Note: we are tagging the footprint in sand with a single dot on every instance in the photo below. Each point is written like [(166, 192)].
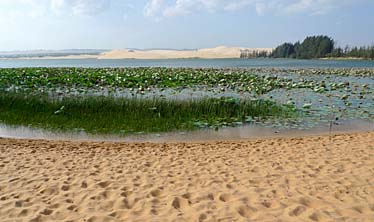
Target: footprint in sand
[(270, 204), (23, 213), (71, 207), (126, 193), (186, 196), (18, 203), (104, 184), (155, 193), (247, 212), (225, 197), (359, 209), (84, 184), (46, 212), (154, 211), (128, 203), (202, 217), (65, 187), (179, 203), (315, 216), (297, 211)]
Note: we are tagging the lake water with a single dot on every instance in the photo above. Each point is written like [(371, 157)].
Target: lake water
[(230, 133), (210, 63), (362, 105)]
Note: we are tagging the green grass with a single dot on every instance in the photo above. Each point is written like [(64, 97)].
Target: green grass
[(125, 115)]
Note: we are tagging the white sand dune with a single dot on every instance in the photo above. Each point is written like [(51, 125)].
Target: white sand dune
[(220, 52), (300, 179), (209, 53)]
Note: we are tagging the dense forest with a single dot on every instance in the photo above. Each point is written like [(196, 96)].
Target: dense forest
[(320, 47)]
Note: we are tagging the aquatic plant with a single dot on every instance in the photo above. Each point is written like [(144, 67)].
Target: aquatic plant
[(143, 79), (350, 90), (128, 115)]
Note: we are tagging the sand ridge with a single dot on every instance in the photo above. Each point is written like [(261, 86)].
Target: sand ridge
[(220, 52), (318, 178)]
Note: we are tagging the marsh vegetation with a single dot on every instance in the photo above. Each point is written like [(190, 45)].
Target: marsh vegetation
[(133, 100), (102, 114)]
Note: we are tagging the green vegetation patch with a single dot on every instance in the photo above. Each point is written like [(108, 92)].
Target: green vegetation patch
[(255, 81), (314, 47), (129, 115), (142, 79)]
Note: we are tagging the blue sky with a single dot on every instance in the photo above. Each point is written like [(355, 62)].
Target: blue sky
[(181, 24)]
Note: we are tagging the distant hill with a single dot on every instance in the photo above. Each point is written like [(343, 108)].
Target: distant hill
[(50, 53), (219, 52)]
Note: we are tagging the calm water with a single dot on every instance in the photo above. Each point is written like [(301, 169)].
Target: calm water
[(211, 63), (351, 117), (229, 133)]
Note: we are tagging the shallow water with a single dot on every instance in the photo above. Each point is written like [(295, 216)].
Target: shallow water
[(207, 63), (357, 116), (327, 105), (229, 133)]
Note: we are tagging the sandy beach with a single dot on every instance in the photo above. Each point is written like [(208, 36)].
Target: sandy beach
[(315, 178)]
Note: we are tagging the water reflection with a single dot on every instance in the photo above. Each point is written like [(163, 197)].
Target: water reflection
[(230, 133)]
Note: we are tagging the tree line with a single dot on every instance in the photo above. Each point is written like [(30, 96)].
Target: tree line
[(248, 54), (365, 52), (314, 47)]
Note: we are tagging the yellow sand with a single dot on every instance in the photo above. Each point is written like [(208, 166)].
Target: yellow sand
[(302, 179)]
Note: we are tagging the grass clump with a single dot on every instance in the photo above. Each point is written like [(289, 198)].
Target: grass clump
[(99, 114)]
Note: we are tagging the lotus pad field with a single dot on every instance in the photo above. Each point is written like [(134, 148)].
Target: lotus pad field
[(130, 100)]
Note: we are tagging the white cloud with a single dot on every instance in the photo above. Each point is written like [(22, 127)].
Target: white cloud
[(171, 8), (309, 7), (153, 7), (39, 8), (181, 7), (236, 5), (23, 8), (57, 6), (89, 7), (79, 7), (261, 8), (184, 7)]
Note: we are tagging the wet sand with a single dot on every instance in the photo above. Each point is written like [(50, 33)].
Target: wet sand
[(315, 178)]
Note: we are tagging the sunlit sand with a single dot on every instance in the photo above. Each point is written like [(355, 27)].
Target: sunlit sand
[(318, 178)]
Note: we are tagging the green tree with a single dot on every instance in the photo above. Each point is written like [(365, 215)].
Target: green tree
[(285, 50), (311, 47)]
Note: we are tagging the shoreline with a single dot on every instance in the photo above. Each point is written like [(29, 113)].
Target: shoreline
[(98, 57), (346, 58), (276, 136), (233, 134)]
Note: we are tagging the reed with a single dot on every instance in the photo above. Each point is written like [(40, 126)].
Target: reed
[(99, 114)]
